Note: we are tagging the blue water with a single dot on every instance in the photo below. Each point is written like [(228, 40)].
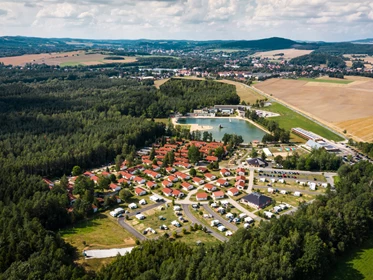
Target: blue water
[(248, 131)]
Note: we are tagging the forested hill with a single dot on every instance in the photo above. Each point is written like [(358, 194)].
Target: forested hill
[(273, 43), (304, 246), (52, 120)]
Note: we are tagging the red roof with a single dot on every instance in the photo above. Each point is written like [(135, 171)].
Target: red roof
[(167, 190), (196, 179), (150, 184), (209, 175), (139, 190), (113, 186), (233, 190), (176, 192), (185, 185), (209, 187), (218, 193), (166, 183), (122, 181), (211, 158), (202, 195), (221, 181)]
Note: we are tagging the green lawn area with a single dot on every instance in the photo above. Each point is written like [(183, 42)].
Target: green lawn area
[(99, 232), (70, 64), (344, 82), (152, 220), (356, 265), (290, 119), (336, 179), (191, 238), (162, 120)]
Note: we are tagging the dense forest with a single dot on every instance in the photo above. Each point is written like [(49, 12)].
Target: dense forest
[(317, 160), (314, 59), (53, 120), (301, 246)]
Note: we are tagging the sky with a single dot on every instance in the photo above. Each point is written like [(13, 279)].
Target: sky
[(316, 20)]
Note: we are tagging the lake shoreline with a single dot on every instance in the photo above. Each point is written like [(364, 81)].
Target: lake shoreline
[(194, 127)]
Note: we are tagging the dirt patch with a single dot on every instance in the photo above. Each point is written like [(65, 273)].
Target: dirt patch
[(67, 58), (288, 53), (158, 83), (335, 104)]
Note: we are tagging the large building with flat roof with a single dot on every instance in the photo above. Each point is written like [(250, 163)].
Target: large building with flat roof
[(308, 135)]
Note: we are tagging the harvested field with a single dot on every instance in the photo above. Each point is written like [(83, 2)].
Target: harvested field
[(243, 91), (339, 106), (63, 59), (362, 128), (288, 53), (158, 83)]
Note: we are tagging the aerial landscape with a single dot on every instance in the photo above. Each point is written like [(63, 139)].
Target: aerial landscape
[(181, 139)]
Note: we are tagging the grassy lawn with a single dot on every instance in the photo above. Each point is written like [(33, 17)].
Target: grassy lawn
[(162, 120), (191, 238), (71, 64), (356, 265), (152, 220), (99, 232), (336, 179), (290, 119), (289, 198), (333, 81)]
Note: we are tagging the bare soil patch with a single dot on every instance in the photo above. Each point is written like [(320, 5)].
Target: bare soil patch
[(339, 106), (158, 83)]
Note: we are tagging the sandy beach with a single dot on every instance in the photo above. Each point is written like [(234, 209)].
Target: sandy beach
[(194, 127)]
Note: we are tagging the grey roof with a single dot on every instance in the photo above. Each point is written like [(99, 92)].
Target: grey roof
[(256, 162), (257, 199)]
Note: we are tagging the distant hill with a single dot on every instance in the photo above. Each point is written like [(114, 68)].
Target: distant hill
[(363, 41), (274, 43)]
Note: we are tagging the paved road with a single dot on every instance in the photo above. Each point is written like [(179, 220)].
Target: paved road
[(251, 180), (194, 220), (146, 208), (107, 253), (243, 209), (131, 230), (220, 218)]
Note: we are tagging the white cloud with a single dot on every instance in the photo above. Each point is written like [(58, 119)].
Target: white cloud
[(189, 19)]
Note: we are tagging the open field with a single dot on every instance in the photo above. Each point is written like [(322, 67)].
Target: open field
[(324, 80), (339, 106), (288, 53), (357, 265), (158, 83), (99, 232), (290, 119), (64, 59), (95, 232), (244, 92)]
